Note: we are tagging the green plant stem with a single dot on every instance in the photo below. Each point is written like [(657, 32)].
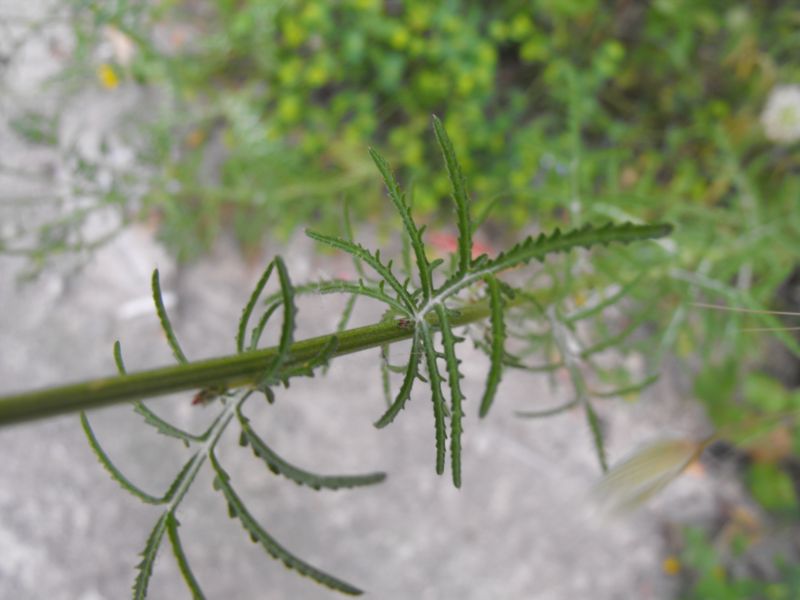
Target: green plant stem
[(225, 372)]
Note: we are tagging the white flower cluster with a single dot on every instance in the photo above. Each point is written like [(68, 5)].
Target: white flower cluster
[(781, 116)]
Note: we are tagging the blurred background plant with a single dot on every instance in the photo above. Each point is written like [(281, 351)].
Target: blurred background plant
[(727, 568), (562, 113)]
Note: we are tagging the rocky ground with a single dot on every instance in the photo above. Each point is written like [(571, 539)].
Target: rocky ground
[(522, 527)]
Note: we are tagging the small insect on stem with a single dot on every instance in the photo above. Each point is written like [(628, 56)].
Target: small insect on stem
[(207, 395), (405, 323)]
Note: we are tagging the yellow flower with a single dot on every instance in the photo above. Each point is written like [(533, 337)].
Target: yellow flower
[(317, 75), (465, 83), (289, 109), (399, 38), (413, 153), (107, 76), (671, 565), (366, 5), (419, 16), (532, 50), (293, 34), (312, 14), (289, 72), (521, 26)]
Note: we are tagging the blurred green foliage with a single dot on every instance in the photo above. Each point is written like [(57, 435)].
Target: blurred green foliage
[(568, 110), (707, 576), (760, 415), (762, 420)]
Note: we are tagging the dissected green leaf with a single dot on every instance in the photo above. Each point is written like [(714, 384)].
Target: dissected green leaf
[(597, 434), (542, 246), (287, 325), (600, 306), (278, 465), (424, 309), (165, 322), (321, 359), (118, 358), (251, 303), (346, 313), (405, 255), (258, 330), (497, 353), (109, 466), (585, 237), (180, 557), (289, 311), (386, 383), (628, 389), (348, 234), (459, 196), (360, 289), (617, 339), (548, 412), (149, 416), (456, 395), (145, 566), (515, 362), (183, 480), (275, 300), (273, 548), (163, 427), (373, 260), (414, 234), (435, 382), (405, 388)]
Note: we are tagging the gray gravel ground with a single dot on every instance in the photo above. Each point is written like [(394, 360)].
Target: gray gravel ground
[(522, 527)]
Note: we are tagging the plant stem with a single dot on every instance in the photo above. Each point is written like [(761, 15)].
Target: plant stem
[(224, 372)]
